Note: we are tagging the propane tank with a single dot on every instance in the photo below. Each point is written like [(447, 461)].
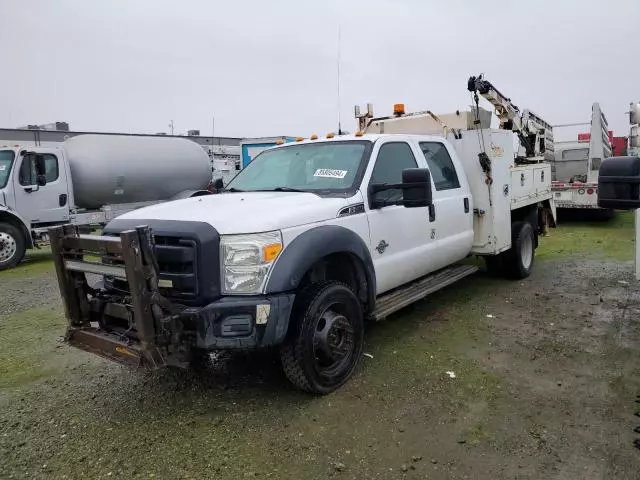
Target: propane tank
[(114, 169)]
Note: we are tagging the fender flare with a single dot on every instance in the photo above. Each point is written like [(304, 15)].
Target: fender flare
[(9, 216), (314, 244)]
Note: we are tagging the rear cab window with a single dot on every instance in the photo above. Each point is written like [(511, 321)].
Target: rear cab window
[(440, 165)]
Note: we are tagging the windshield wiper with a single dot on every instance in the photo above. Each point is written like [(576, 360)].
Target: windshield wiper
[(288, 189), (283, 189), (232, 189)]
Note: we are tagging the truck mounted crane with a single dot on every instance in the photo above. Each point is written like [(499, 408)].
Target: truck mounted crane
[(535, 134)]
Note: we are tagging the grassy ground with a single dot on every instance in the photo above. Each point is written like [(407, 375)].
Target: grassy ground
[(609, 239), (522, 403), (36, 262)]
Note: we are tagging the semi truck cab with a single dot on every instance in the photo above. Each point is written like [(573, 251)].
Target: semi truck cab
[(34, 183), (34, 194)]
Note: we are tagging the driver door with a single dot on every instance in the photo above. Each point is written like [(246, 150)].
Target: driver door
[(402, 241), (41, 204)]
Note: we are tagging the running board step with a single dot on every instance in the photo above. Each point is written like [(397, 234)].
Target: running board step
[(395, 300)]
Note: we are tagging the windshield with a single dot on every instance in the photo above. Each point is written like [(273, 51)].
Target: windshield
[(314, 167), (6, 159)]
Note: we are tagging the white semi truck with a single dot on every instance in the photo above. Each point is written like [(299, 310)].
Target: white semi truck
[(311, 239), (88, 181), (577, 163)]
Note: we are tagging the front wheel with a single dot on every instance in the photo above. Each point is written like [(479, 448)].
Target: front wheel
[(12, 246), (325, 343)]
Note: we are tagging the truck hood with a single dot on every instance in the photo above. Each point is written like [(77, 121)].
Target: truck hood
[(246, 212)]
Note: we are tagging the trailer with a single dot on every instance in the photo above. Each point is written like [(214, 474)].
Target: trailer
[(576, 165)]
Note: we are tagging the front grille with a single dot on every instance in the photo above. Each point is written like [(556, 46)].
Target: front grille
[(177, 266), (177, 263)]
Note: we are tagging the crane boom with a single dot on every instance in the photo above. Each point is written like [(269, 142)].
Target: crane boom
[(535, 135)]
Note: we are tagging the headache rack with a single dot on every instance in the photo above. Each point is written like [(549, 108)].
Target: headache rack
[(122, 326)]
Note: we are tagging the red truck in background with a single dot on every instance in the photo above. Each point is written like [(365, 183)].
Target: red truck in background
[(618, 144)]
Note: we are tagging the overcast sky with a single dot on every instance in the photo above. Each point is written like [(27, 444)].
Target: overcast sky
[(269, 67)]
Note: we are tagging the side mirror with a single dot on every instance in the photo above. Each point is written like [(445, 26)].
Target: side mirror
[(41, 180), (416, 188), (39, 162)]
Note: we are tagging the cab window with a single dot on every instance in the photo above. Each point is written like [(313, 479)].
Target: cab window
[(392, 159), (28, 176), (440, 165)]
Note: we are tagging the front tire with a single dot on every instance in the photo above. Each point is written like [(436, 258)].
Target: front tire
[(12, 246), (326, 337)]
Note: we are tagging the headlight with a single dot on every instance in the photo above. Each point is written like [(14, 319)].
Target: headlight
[(247, 261)]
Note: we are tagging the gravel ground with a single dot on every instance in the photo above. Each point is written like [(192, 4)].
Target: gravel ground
[(20, 294), (547, 373)]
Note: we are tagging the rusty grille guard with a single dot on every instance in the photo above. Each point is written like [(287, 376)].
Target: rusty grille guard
[(131, 258)]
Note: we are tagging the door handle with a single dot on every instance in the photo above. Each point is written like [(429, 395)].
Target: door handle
[(62, 199), (466, 205), (432, 213)]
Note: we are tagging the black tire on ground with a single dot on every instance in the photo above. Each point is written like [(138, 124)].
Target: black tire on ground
[(12, 246), (324, 344), (518, 260)]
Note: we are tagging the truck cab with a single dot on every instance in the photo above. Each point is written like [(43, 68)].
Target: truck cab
[(39, 201), (34, 194)]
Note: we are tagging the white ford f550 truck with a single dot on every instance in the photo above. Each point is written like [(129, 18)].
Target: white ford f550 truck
[(310, 240)]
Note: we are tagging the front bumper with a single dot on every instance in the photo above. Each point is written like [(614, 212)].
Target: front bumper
[(141, 326), (243, 322)]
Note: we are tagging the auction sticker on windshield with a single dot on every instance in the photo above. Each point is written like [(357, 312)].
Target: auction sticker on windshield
[(329, 173)]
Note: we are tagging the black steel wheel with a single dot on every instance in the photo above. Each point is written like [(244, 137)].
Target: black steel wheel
[(325, 340)]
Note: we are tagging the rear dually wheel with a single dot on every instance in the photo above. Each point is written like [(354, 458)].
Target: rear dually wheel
[(519, 259)]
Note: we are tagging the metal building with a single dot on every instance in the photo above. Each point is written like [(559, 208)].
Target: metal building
[(47, 137)]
